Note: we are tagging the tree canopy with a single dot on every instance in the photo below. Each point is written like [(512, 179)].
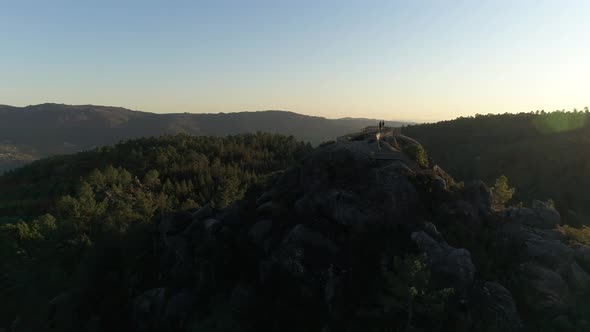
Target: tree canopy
[(544, 154), (66, 216)]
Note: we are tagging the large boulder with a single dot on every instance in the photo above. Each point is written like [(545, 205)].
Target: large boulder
[(582, 255), (479, 194), (494, 309), (148, 309), (339, 206), (543, 291), (578, 278), (304, 248), (550, 253), (157, 310), (450, 266), (540, 216)]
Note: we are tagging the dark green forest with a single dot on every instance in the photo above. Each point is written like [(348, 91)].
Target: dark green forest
[(78, 233), (543, 154), (69, 220)]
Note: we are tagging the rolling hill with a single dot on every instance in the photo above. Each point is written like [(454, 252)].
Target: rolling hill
[(42, 130)]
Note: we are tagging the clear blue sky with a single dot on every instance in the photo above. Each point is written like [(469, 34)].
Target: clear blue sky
[(419, 60)]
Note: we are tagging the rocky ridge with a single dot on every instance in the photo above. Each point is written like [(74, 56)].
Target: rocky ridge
[(358, 236)]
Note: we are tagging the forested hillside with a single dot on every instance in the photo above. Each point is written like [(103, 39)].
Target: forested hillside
[(544, 155), (32, 132), (184, 233), (64, 217)]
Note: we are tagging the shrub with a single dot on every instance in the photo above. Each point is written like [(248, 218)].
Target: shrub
[(418, 154), (581, 235)]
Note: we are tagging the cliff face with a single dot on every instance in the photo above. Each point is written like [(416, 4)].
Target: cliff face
[(359, 237)]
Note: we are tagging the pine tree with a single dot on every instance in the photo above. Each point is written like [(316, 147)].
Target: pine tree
[(502, 192)]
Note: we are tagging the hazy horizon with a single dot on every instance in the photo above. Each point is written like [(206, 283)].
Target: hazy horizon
[(409, 61), (289, 111)]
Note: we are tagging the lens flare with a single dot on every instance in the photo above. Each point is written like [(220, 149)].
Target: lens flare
[(558, 122)]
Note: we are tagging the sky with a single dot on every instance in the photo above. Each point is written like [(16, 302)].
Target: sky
[(398, 60)]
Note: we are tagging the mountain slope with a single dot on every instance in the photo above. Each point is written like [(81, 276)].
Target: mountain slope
[(545, 156), (48, 129), (108, 195), (198, 161)]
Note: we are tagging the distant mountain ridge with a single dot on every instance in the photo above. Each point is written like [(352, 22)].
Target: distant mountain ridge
[(48, 129)]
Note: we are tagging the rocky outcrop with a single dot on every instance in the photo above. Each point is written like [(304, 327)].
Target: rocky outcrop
[(320, 250), (452, 267), (539, 216), (547, 277), (582, 255), (544, 291), (495, 308)]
